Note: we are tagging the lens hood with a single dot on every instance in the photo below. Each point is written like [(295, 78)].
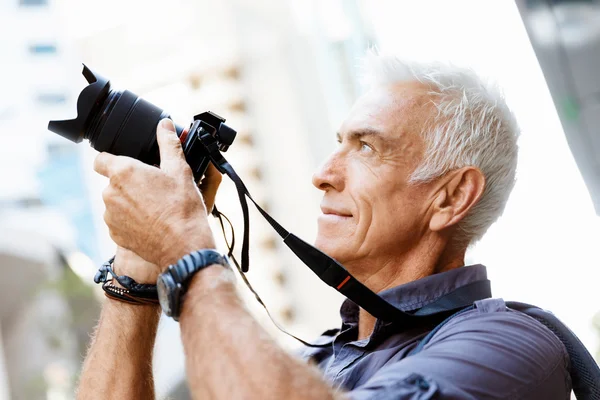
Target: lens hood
[(90, 98), (124, 124)]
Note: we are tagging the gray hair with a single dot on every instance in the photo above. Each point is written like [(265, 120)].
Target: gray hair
[(473, 126)]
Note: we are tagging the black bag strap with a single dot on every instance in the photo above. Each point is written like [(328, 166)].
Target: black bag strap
[(584, 371), (335, 275)]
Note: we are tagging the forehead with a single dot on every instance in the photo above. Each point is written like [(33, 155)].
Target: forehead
[(395, 110)]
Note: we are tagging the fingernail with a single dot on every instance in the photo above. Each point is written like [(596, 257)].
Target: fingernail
[(167, 124)]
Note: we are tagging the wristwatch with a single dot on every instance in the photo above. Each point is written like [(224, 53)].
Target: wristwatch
[(173, 283)]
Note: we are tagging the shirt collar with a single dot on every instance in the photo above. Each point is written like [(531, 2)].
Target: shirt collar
[(416, 294)]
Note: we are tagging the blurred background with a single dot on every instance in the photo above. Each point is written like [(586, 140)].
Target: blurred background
[(284, 73)]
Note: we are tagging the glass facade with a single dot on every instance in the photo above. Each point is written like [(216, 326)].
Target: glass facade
[(33, 3), (42, 49), (51, 98)]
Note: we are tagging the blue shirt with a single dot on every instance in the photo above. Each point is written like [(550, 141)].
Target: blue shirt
[(490, 352)]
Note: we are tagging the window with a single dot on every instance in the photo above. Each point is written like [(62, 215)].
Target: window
[(51, 98), (27, 3), (62, 149), (42, 49)]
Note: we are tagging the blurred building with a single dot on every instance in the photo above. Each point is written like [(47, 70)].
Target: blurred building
[(44, 210), (566, 38)]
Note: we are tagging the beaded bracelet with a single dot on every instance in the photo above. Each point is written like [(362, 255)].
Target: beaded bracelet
[(130, 291)]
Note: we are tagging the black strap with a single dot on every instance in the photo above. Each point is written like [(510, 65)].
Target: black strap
[(335, 275), (230, 245)]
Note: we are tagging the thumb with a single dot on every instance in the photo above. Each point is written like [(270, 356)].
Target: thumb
[(171, 153)]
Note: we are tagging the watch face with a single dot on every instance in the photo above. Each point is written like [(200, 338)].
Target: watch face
[(163, 294)]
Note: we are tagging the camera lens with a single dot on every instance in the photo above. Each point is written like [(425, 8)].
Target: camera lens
[(126, 125), (119, 123)]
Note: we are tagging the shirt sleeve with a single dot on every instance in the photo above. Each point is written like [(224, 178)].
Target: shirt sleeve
[(478, 355)]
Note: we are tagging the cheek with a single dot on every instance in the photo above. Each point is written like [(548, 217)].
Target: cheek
[(394, 216)]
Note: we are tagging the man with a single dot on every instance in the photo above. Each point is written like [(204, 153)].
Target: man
[(425, 163)]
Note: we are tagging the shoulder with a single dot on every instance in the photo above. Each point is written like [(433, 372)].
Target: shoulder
[(492, 323), (509, 341), (491, 318)]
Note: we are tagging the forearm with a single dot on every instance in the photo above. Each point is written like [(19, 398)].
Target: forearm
[(119, 362), (230, 356)]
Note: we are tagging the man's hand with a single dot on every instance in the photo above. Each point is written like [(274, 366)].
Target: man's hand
[(158, 214), (130, 264)]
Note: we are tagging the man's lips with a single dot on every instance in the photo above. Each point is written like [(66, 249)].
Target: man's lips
[(332, 211)]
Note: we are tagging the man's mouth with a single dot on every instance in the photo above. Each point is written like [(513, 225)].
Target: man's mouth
[(335, 212)]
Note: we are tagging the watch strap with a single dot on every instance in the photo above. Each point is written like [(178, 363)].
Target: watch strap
[(193, 262)]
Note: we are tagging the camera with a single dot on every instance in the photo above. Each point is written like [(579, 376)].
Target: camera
[(122, 123)]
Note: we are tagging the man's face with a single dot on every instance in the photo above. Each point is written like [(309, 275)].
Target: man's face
[(369, 210)]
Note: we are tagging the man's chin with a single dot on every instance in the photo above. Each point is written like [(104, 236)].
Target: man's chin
[(331, 248)]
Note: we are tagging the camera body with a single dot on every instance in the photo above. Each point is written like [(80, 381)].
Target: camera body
[(207, 133), (121, 123)]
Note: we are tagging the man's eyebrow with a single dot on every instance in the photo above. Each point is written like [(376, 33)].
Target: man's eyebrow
[(360, 133)]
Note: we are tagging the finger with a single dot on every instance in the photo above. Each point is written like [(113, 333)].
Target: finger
[(107, 194), (103, 164), (171, 153)]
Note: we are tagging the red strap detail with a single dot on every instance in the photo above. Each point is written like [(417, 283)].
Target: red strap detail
[(184, 135), (343, 282)]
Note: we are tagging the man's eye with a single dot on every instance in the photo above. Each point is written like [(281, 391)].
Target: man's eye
[(364, 146)]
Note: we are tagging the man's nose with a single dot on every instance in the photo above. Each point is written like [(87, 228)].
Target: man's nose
[(330, 174)]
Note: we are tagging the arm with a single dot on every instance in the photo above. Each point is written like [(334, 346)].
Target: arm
[(230, 356), (119, 362)]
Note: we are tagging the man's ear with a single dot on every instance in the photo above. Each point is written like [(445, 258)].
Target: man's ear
[(460, 191)]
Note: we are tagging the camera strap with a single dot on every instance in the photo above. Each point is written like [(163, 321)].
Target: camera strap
[(336, 276)]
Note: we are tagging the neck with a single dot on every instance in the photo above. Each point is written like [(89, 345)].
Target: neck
[(410, 266)]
